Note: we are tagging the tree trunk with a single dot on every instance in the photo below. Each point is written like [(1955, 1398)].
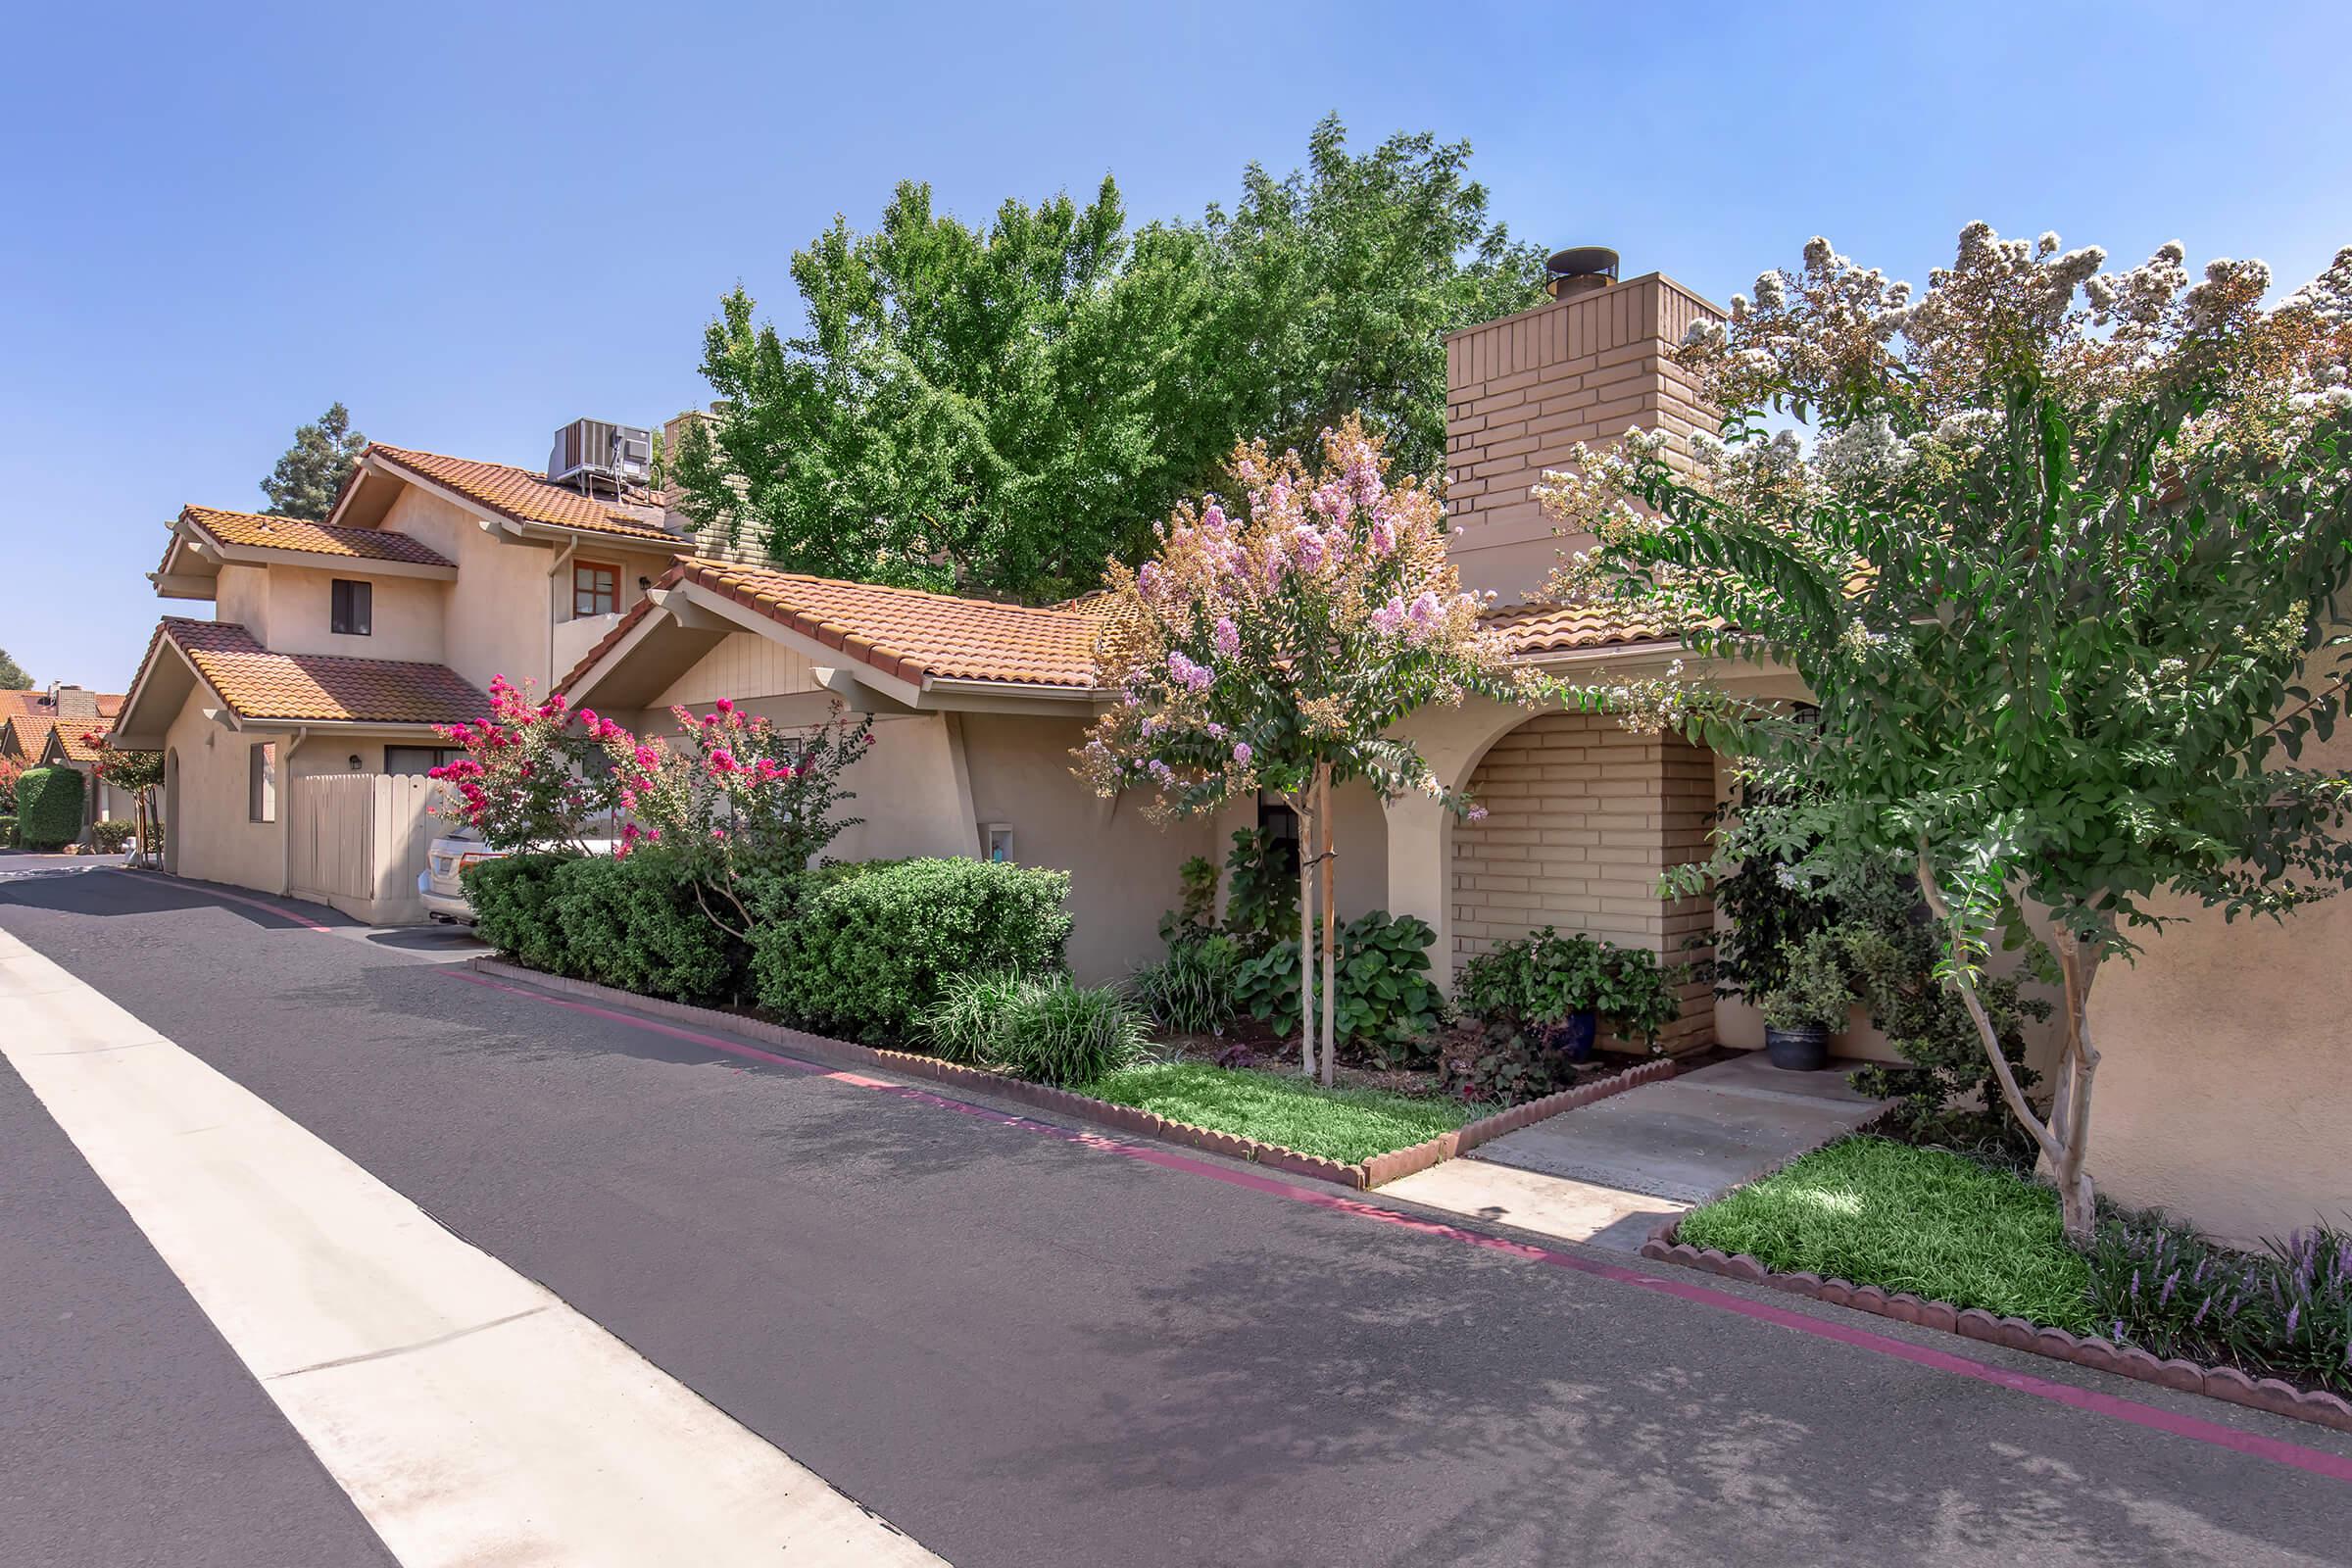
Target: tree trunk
[(1330, 936), (1303, 805), (2064, 1137)]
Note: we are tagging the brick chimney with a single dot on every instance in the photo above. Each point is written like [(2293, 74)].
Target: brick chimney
[(1521, 391), (72, 701)]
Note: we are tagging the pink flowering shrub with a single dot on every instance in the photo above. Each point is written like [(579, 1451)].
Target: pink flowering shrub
[(734, 796), (533, 774), (1278, 648)]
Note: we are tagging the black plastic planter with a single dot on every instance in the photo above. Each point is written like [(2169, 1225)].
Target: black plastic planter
[(1805, 1049), (1573, 1035)]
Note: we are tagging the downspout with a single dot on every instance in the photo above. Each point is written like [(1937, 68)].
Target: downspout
[(285, 813)]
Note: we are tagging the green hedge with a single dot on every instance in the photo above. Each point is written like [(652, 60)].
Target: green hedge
[(866, 955), (8, 832), (48, 806), (510, 899), (634, 923)]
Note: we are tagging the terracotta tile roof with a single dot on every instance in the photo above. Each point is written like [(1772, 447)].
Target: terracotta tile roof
[(74, 735), (110, 704), (26, 735), (900, 631), (28, 702), (1557, 628), (252, 529), (319, 688), (527, 497)]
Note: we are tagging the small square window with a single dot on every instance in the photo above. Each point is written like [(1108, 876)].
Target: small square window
[(999, 836), (351, 606), (595, 588), (261, 782)]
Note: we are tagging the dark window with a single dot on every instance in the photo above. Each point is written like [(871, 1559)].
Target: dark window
[(595, 588), (415, 761), (353, 606), (261, 782)]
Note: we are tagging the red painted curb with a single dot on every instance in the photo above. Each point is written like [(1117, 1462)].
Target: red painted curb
[(2273, 1394)]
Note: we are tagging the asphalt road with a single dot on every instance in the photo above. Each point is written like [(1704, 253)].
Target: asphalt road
[(1022, 1349)]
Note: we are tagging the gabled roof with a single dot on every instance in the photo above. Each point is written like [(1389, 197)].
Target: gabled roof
[(521, 496), (902, 632), (23, 735), (313, 687), (73, 738), (254, 531)]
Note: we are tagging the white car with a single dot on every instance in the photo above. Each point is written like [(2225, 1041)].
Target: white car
[(438, 886)]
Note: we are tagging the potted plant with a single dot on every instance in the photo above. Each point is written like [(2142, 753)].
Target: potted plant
[(1809, 1004)]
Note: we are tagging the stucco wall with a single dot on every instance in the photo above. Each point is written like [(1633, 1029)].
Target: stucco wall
[(213, 841), (405, 616), (2225, 1083), (1122, 866), (241, 595)]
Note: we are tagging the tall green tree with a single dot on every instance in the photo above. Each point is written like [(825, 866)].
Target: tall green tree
[(311, 472), (1000, 411), (12, 674)]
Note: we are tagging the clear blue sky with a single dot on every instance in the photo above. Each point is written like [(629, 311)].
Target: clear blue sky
[(477, 223)]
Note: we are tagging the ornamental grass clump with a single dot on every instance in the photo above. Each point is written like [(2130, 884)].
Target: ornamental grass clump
[(1046, 1029), (2284, 1312)]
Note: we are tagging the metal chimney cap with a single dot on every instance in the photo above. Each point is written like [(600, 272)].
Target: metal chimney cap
[(1583, 261)]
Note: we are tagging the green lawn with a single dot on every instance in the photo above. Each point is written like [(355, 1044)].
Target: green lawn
[(1343, 1124), (1908, 1219)]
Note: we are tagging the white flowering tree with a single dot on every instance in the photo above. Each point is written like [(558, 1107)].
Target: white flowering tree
[(2064, 572), (1277, 649)]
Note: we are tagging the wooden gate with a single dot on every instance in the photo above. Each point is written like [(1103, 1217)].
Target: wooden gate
[(357, 841)]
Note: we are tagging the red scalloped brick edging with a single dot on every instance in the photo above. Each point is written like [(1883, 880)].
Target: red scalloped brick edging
[(1974, 1323), (1134, 1119)]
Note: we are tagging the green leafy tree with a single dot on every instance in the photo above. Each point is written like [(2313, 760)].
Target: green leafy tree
[(2064, 572), (310, 474), (12, 674), (1276, 650), (1000, 410)]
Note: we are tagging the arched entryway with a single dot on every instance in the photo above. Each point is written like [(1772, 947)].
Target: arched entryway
[(1583, 816), (171, 823)]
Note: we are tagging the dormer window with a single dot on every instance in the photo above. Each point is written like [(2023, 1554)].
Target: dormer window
[(595, 588), (351, 607)]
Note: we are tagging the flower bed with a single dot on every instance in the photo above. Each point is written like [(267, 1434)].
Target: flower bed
[(1928, 1237)]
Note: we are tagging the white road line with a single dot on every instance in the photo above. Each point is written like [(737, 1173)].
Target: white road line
[(473, 1415)]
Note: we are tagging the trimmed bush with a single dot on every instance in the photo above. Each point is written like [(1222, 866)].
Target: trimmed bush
[(866, 954), (510, 899), (8, 832), (1049, 1030), (111, 838), (48, 808), (634, 923)]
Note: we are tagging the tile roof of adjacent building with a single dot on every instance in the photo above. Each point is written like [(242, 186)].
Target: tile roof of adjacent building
[(915, 635), (524, 496), (904, 632), (316, 688), (257, 531), (26, 735), (74, 735)]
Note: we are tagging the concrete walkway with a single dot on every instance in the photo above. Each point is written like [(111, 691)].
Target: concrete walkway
[(1608, 1173)]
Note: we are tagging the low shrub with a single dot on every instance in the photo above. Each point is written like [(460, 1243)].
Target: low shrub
[(1541, 980), (1905, 1219), (2286, 1314), (1504, 1063), (634, 923), (509, 896), (48, 808), (8, 832), (1193, 989), (1045, 1028), (110, 836), (866, 955), (1386, 1005)]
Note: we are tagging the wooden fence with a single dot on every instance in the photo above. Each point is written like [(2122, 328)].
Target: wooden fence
[(357, 841)]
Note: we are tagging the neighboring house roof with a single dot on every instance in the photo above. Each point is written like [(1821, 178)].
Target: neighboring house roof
[(314, 688), (73, 738), (253, 530), (30, 702), (23, 735), (522, 496), (902, 632)]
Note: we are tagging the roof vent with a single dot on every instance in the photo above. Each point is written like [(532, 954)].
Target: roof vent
[(589, 451), (1580, 269)]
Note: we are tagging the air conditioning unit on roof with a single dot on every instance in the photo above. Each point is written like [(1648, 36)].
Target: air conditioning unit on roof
[(593, 450)]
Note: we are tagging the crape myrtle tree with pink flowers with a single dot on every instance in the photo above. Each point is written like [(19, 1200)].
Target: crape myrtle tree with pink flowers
[(733, 796), (1275, 647), (2064, 571)]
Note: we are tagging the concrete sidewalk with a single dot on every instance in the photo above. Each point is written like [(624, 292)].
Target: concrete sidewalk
[(1608, 1173)]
